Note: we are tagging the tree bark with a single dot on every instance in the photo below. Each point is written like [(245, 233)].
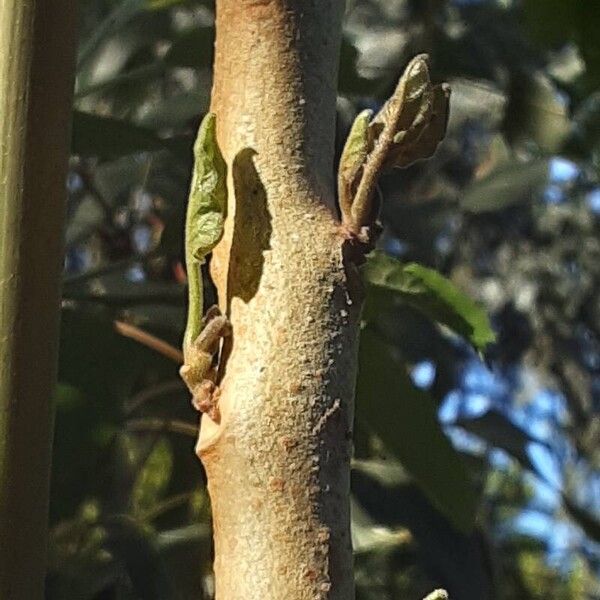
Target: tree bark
[(278, 463), (36, 79)]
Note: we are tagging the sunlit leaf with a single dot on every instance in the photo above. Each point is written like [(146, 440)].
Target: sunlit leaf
[(433, 295)]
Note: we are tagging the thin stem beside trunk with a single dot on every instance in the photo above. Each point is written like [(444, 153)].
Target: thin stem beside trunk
[(37, 46)]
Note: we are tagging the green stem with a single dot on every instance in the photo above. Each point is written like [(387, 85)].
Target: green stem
[(37, 50), (195, 304)]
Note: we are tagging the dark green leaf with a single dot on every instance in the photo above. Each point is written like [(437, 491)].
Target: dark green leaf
[(82, 435), (386, 500), (585, 135), (185, 551), (406, 421), (586, 520), (433, 295), (499, 431), (349, 81), (557, 22), (137, 75), (107, 137), (98, 370), (172, 111), (114, 289), (550, 21), (123, 12), (536, 112), (138, 554), (193, 48), (163, 4), (511, 183)]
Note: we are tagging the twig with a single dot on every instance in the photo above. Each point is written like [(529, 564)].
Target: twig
[(172, 425), (150, 393), (149, 340), (166, 505)]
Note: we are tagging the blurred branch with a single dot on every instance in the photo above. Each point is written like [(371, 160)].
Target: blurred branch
[(171, 425), (146, 72), (149, 340), (105, 269), (153, 392), (165, 506)]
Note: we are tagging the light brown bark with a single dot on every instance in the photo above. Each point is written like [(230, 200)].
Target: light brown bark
[(278, 463), (37, 46)]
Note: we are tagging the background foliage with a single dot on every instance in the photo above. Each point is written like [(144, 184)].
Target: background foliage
[(476, 465)]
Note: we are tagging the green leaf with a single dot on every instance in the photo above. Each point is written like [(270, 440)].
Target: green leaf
[(173, 111), (556, 22), (405, 419), (356, 147), (499, 431), (109, 138), (432, 294), (368, 535), (349, 80), (208, 193), (98, 370), (511, 183), (205, 216), (193, 48), (550, 21), (137, 75), (537, 112), (585, 519), (122, 13), (114, 289), (153, 478), (138, 554), (162, 4), (354, 155), (419, 111)]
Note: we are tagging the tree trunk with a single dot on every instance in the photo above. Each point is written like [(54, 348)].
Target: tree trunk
[(36, 80), (278, 464)]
